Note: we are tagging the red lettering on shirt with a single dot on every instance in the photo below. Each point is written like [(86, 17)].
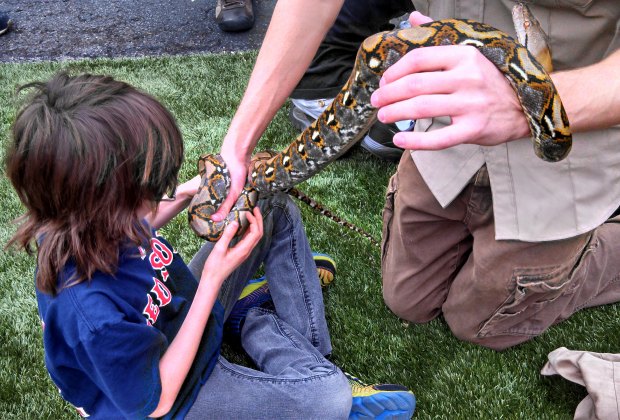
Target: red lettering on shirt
[(151, 311), (161, 292), (160, 256), (164, 274)]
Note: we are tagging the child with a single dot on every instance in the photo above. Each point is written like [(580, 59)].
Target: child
[(128, 330)]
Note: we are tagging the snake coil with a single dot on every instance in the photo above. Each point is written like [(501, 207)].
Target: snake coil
[(350, 115)]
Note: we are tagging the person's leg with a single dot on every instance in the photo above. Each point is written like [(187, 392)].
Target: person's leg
[(333, 62), (234, 284), (424, 245), (292, 379), (289, 267), (292, 275), (511, 291)]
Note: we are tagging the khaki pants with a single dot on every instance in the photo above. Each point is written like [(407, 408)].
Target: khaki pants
[(494, 293)]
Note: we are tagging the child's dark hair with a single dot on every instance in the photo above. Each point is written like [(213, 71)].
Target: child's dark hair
[(87, 151)]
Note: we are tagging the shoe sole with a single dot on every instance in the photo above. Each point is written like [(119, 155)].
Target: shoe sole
[(236, 27), (6, 28), (380, 150), (255, 297), (383, 406)]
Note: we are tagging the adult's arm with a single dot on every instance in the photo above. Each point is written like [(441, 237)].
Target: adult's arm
[(296, 30), (591, 95), (459, 82)]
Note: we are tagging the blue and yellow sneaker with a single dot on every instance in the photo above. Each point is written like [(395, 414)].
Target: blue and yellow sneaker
[(325, 267), (255, 293), (380, 401)]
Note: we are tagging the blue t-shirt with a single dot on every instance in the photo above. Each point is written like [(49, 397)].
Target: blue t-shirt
[(104, 338)]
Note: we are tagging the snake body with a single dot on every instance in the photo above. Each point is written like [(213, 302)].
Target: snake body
[(350, 115)]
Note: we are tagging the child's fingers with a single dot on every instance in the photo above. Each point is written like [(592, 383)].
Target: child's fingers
[(227, 235)]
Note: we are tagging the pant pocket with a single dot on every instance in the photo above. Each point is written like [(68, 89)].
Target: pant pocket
[(539, 297), (388, 213)]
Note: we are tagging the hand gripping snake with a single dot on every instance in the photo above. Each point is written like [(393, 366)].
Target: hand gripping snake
[(350, 115)]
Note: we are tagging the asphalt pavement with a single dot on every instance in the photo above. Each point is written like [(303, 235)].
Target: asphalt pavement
[(75, 29)]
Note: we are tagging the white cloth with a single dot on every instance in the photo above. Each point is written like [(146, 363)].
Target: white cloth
[(598, 372)]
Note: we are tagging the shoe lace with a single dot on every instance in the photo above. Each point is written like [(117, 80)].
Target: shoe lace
[(230, 3)]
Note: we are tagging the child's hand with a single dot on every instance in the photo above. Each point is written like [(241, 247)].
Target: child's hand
[(224, 260), (188, 189)]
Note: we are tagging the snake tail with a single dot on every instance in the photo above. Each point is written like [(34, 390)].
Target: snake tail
[(322, 210)]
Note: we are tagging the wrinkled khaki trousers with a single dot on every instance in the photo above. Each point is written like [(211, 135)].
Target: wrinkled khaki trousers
[(493, 293)]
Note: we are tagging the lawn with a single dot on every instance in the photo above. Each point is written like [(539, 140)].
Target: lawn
[(451, 379)]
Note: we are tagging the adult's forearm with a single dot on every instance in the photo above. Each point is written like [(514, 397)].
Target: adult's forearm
[(295, 32), (591, 95)]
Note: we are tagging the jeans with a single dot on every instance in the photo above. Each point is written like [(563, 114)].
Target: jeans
[(287, 346)]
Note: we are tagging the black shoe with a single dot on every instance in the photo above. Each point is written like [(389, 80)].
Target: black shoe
[(234, 15), (299, 119), (5, 23), (378, 141)]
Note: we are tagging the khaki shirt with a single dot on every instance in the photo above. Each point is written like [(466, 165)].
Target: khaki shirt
[(535, 200)]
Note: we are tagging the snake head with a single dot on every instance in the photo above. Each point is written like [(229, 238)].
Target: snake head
[(213, 189)]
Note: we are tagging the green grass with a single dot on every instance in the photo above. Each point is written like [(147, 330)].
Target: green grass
[(451, 379)]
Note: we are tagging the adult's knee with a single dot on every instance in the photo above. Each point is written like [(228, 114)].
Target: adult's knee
[(470, 332), (408, 305)]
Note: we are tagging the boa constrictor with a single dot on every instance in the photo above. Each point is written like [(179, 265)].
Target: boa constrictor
[(350, 115)]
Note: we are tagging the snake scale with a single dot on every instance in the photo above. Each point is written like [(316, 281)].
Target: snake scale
[(350, 115)]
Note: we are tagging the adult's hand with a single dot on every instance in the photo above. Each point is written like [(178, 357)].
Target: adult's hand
[(454, 81), (294, 34), (237, 164)]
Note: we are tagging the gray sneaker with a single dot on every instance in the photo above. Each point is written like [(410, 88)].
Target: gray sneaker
[(234, 15)]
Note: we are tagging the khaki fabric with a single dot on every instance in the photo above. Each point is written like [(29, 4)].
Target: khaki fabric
[(535, 200), (598, 372), (496, 294)]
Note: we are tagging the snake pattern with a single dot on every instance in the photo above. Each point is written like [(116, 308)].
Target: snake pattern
[(350, 115)]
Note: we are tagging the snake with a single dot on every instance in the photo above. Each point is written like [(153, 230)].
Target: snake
[(351, 114)]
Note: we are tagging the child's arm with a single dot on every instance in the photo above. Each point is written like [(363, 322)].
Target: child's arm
[(176, 362), (168, 208)]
